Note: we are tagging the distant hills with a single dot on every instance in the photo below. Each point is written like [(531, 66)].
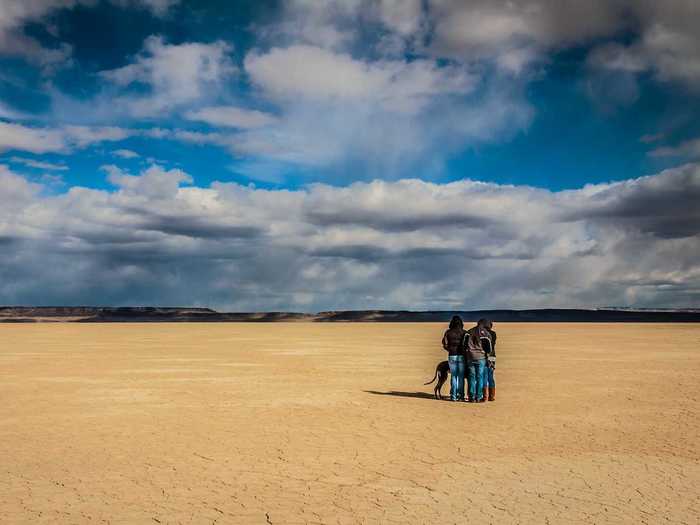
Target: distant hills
[(142, 314)]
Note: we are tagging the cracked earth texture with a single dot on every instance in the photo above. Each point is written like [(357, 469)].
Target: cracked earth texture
[(331, 423)]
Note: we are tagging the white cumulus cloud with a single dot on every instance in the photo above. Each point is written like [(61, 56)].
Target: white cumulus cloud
[(176, 74), (316, 73)]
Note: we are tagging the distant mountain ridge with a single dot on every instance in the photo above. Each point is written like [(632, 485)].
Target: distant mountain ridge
[(140, 314)]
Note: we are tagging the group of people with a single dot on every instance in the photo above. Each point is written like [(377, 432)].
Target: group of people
[(472, 353)]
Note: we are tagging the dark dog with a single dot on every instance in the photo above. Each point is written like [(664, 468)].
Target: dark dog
[(441, 372)]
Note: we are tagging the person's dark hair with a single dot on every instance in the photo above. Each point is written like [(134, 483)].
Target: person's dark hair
[(456, 322)]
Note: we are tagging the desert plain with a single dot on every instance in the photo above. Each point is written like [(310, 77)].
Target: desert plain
[(331, 423)]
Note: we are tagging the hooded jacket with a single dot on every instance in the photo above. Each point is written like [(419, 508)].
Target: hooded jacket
[(478, 348)]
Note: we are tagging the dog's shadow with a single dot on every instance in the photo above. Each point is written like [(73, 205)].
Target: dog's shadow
[(419, 395)]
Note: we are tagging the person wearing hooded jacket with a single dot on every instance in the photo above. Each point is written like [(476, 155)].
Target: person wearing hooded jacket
[(478, 344), (490, 369)]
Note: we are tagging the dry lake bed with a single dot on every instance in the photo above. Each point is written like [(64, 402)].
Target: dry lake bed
[(331, 423)]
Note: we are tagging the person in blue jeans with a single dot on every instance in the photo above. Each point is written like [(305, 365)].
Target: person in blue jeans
[(476, 369), (452, 342), (489, 379), (490, 370), (477, 344)]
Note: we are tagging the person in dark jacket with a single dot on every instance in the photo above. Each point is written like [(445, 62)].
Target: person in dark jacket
[(452, 342), (477, 344), (490, 370)]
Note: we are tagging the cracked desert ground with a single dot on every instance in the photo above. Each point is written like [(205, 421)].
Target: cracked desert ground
[(331, 423)]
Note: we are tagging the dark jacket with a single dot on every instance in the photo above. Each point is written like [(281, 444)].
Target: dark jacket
[(492, 352), (480, 348), (452, 341)]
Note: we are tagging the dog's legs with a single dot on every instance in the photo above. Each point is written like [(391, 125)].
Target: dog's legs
[(442, 377), (441, 373)]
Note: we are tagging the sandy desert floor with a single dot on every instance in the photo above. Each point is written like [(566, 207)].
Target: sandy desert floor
[(331, 423)]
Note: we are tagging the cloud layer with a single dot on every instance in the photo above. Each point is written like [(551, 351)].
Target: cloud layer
[(403, 244)]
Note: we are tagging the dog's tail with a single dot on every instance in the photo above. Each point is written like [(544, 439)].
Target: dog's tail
[(433, 379)]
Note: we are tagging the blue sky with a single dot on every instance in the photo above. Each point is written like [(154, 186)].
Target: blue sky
[(217, 102)]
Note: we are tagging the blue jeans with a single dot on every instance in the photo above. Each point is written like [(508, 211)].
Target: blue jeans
[(476, 379), (456, 363), (489, 379)]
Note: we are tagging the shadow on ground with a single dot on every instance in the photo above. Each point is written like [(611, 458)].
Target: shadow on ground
[(420, 395)]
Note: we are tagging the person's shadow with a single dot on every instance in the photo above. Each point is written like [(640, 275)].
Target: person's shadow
[(419, 395)]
